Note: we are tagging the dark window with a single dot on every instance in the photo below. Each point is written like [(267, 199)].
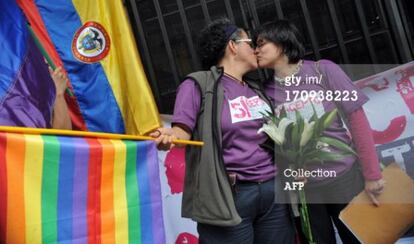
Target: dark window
[(160, 63), (168, 6), (239, 15), (177, 39), (358, 52), (348, 18), (345, 31), (292, 11), (407, 9), (332, 53), (217, 9), (147, 9), (188, 3), (385, 52), (266, 11), (373, 15), (322, 23), (197, 22)]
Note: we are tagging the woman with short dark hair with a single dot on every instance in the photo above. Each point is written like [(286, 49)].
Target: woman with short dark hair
[(230, 185), (286, 36), (279, 47)]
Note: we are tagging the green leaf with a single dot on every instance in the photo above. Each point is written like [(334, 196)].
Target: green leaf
[(310, 146), (316, 131), (300, 123), (295, 137), (327, 121), (338, 144), (323, 156), (324, 122), (267, 115), (315, 115), (319, 125), (288, 142)]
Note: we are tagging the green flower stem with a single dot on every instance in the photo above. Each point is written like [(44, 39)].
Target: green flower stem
[(306, 226)]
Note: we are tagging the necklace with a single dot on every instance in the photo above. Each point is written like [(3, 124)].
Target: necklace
[(234, 78), (281, 80)]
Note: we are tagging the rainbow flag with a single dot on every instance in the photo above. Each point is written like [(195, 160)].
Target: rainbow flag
[(57, 189), (27, 92), (111, 95)]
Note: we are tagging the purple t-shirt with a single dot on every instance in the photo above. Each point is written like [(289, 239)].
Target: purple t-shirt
[(294, 97), (240, 120)]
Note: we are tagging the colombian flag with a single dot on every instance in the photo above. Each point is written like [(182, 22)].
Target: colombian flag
[(61, 189), (111, 95), (27, 92)]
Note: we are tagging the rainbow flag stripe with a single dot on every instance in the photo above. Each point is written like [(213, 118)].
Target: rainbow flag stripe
[(57, 189)]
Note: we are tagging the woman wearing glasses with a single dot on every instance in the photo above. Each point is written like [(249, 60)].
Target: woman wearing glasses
[(230, 185), (279, 47)]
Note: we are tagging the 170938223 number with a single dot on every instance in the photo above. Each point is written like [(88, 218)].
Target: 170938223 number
[(322, 95)]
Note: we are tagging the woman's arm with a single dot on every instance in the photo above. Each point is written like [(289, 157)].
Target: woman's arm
[(186, 109), (365, 147), (61, 118)]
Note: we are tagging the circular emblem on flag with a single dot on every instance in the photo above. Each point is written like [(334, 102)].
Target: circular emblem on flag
[(91, 43)]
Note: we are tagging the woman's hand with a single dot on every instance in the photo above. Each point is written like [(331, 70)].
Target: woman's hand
[(60, 79), (374, 188), (164, 138), (61, 118)]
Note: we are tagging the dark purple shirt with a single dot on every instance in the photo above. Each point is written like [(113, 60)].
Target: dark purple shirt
[(240, 121), (349, 99)]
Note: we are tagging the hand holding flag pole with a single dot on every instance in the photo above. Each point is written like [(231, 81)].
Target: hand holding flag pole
[(45, 54), (38, 131)]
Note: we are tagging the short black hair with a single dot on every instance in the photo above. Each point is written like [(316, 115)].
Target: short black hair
[(285, 35), (213, 39)]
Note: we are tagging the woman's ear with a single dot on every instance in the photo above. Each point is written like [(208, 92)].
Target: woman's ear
[(232, 47)]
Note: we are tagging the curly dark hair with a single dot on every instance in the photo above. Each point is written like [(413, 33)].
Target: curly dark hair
[(212, 42)]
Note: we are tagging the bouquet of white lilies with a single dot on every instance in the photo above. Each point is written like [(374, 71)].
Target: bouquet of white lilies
[(301, 142)]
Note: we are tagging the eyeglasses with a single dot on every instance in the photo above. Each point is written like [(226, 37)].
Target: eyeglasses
[(260, 44), (246, 40)]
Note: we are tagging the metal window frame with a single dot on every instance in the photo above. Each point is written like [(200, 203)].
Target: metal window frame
[(311, 31), (194, 57), (365, 31), (405, 23), (398, 30), (338, 31), (205, 10), (166, 41), (279, 9), (229, 10), (244, 16), (146, 53)]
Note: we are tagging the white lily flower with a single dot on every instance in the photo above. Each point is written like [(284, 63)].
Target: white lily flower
[(307, 133), (276, 133)]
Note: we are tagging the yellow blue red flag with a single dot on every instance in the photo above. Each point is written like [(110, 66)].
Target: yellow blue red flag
[(94, 42)]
